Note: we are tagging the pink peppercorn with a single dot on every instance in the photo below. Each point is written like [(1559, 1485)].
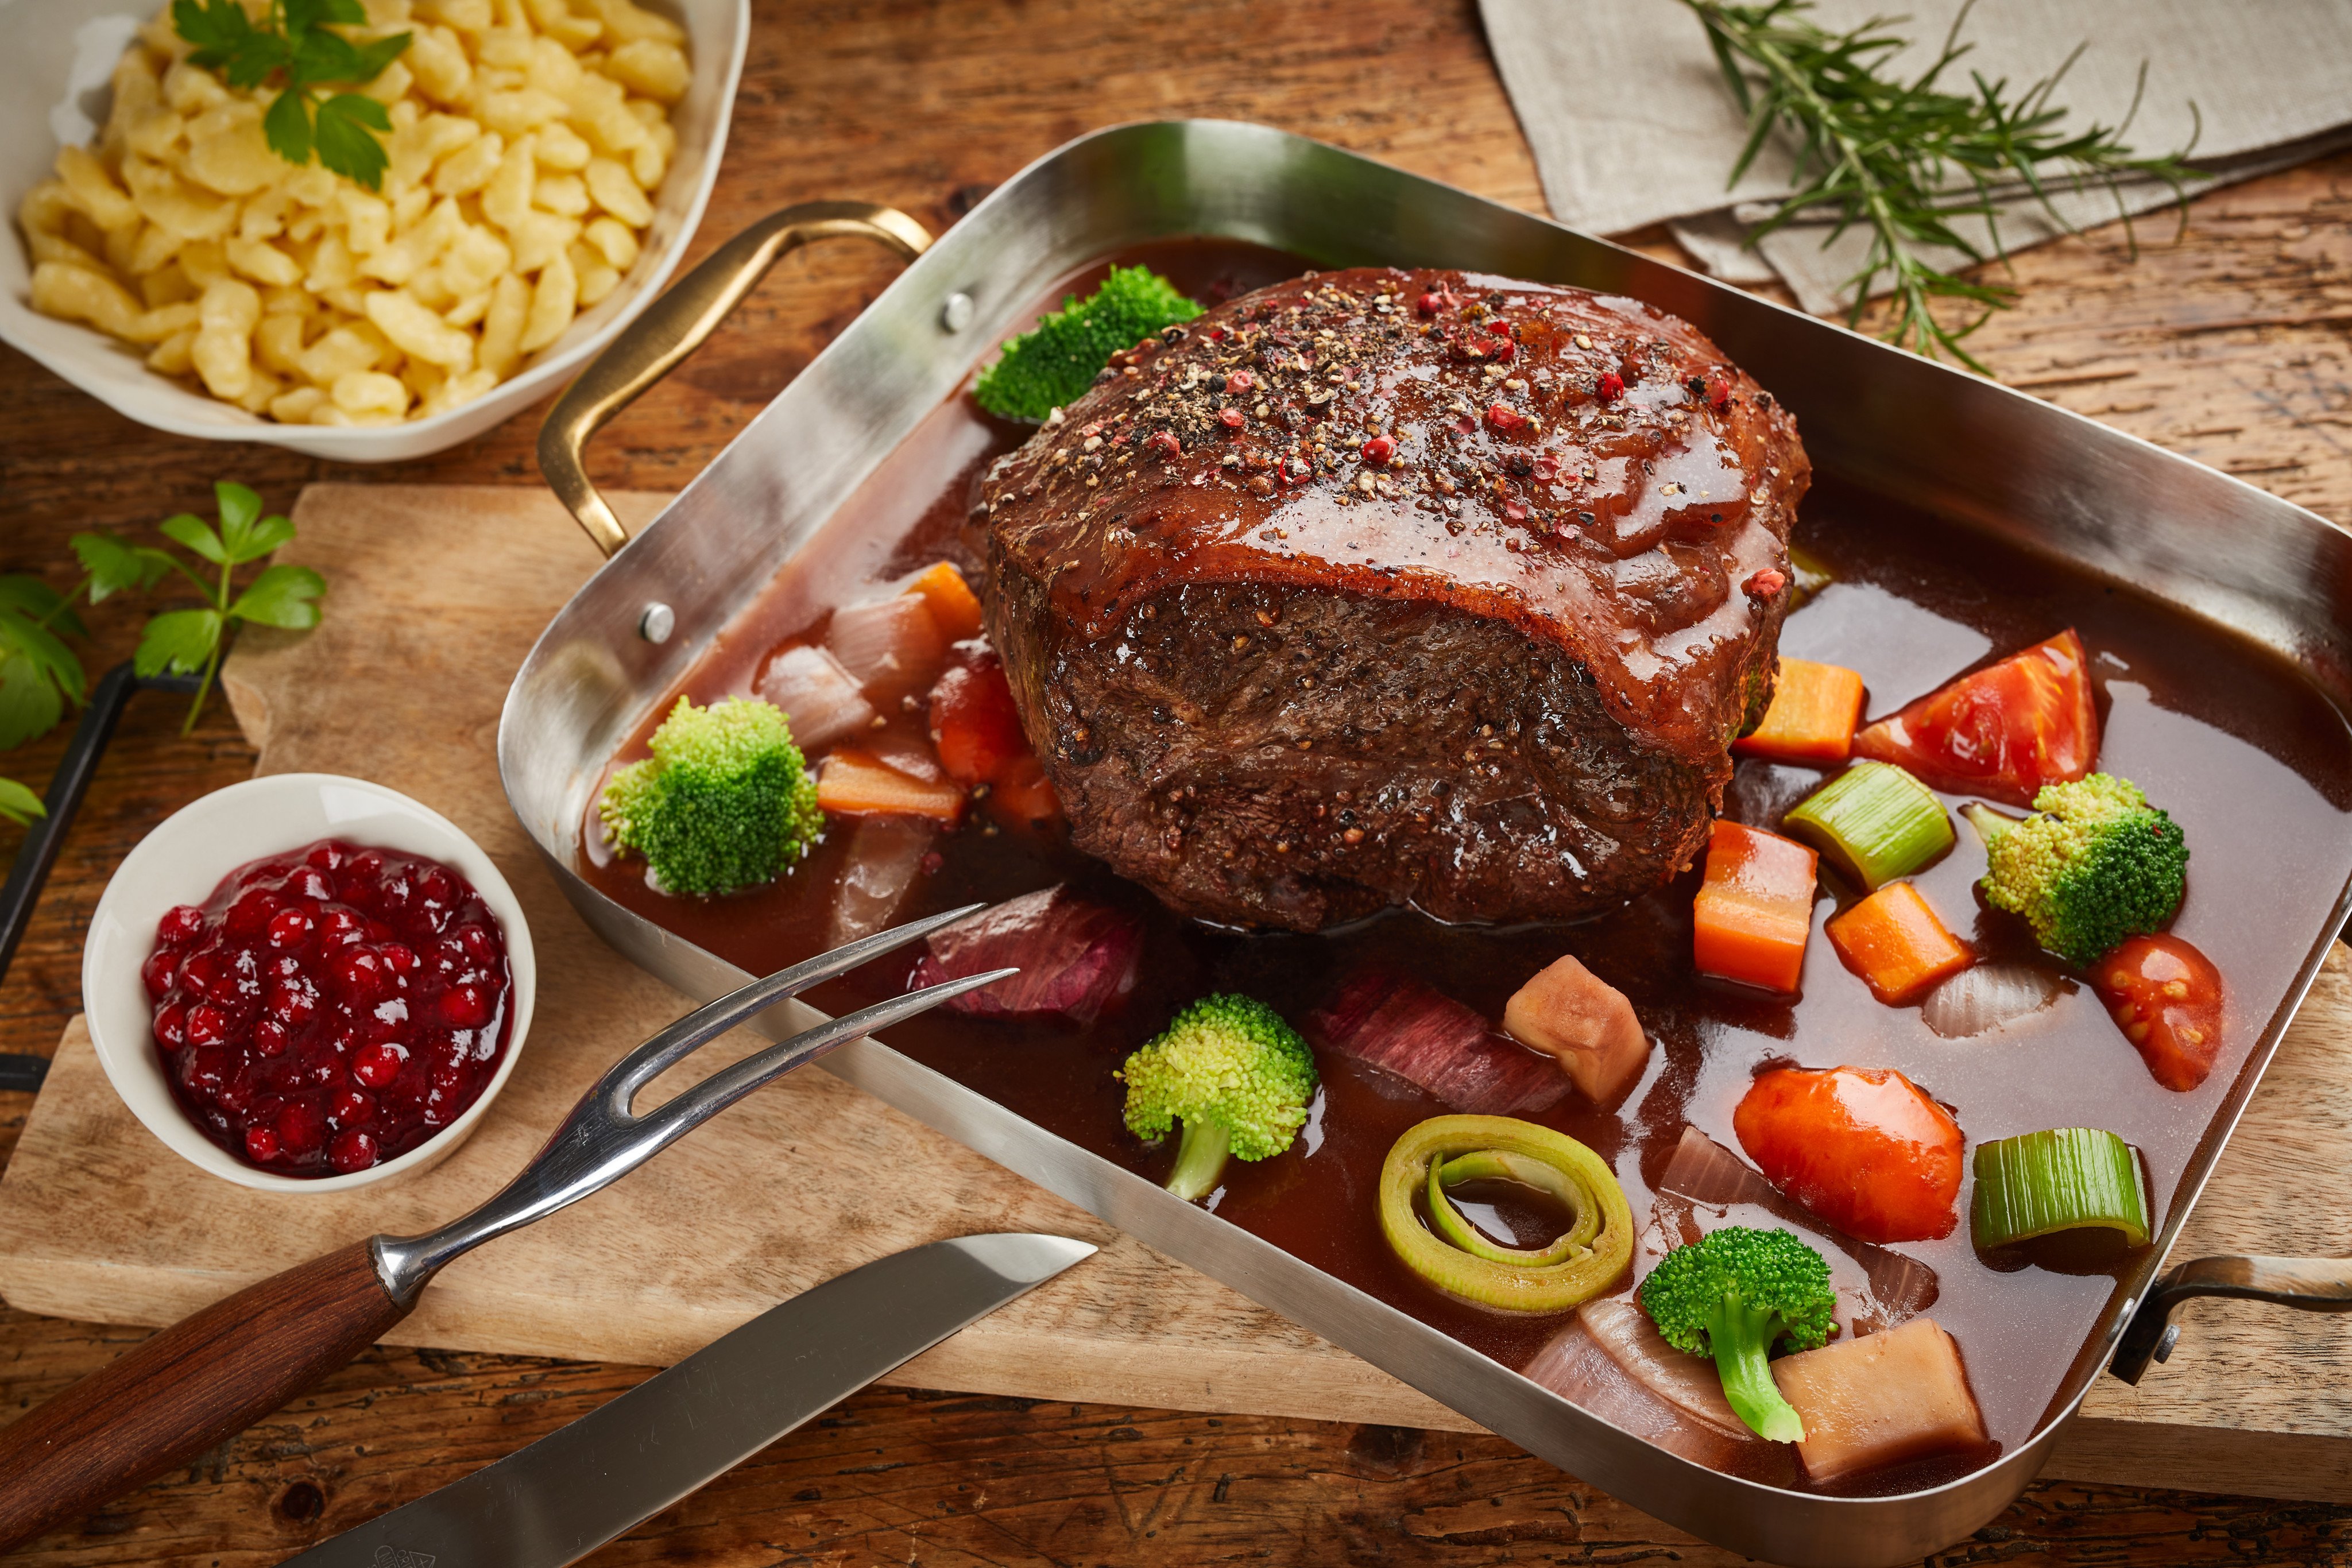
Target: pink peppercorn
[(1379, 450)]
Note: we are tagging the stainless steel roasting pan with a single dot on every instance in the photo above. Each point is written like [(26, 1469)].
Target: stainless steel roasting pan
[(1960, 448)]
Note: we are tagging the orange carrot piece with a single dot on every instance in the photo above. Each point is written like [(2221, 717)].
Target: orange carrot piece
[(856, 784), (1021, 795), (1894, 941), (953, 603), (1755, 911), (1811, 719)]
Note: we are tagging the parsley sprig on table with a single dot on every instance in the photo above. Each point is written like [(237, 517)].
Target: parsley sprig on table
[(40, 674), (187, 641), (1904, 159), (293, 44)]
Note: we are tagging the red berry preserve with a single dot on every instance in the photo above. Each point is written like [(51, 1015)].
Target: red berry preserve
[(332, 1008)]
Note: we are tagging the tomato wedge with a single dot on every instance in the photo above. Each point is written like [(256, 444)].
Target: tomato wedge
[(2166, 997), (1864, 1148), (977, 730), (974, 722), (2002, 732)]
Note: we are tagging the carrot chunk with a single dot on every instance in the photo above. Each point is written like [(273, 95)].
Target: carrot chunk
[(857, 784), (953, 605), (1811, 719), (1894, 941), (1754, 910), (1021, 795), (1878, 1400)]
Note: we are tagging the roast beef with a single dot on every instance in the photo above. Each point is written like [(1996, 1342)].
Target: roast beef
[(1383, 587)]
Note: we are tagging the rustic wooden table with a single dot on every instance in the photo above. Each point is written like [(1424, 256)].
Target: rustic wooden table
[(2230, 345)]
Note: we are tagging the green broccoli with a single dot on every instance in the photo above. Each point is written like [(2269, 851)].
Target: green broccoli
[(1234, 1074), (2097, 863), (1732, 1295), (1052, 366), (725, 801)]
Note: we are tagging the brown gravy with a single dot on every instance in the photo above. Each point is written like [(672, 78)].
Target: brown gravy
[(2250, 759)]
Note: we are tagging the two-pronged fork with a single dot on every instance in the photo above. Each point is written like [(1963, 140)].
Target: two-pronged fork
[(213, 1374)]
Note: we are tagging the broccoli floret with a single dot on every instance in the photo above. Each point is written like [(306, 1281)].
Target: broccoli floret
[(2097, 863), (1234, 1074), (1052, 366), (725, 801), (1734, 1295)]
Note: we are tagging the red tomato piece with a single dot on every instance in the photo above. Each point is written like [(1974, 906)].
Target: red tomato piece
[(2166, 996), (1863, 1147), (974, 722), (2002, 732)]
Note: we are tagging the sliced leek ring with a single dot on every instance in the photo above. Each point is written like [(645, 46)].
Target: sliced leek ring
[(1447, 1250), (2067, 1178), (1874, 821)]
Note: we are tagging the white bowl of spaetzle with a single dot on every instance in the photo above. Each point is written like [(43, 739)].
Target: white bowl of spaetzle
[(541, 166)]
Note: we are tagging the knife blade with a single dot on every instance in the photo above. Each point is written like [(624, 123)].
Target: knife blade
[(564, 1496)]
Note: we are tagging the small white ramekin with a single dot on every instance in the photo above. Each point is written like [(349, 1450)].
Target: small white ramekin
[(185, 859)]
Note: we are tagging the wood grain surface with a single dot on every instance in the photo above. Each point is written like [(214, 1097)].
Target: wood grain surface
[(2230, 345)]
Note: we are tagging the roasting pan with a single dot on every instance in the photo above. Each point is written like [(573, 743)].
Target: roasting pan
[(1884, 421)]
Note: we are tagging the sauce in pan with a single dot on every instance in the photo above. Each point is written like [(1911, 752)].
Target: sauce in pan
[(2252, 762)]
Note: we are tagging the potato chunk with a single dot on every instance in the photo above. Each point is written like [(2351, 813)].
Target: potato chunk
[(1880, 1400), (1570, 1012)]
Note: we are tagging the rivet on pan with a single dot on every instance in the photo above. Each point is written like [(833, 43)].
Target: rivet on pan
[(956, 314), (657, 622), (2171, 1337)]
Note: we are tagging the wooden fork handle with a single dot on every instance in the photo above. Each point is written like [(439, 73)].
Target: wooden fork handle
[(204, 1379)]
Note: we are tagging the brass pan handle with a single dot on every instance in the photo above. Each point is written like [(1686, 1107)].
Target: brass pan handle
[(2308, 1284), (674, 325)]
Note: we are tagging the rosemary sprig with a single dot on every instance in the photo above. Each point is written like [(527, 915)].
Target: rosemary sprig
[(1904, 159)]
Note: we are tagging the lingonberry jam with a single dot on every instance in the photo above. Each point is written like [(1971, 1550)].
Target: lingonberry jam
[(331, 1008)]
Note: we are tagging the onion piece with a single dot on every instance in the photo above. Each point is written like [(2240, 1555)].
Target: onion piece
[(1441, 1047), (819, 699), (1689, 1383), (886, 855), (1077, 958), (892, 648), (1986, 997), (1574, 1365)]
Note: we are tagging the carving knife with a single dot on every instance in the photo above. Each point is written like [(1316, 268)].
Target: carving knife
[(565, 1495)]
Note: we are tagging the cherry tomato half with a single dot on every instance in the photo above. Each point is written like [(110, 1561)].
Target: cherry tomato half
[(2166, 997), (1863, 1147), (2002, 732)]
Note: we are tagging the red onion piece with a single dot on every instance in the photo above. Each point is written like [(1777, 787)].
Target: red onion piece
[(1077, 958), (819, 699), (1987, 997), (886, 855), (1435, 1043), (892, 648)]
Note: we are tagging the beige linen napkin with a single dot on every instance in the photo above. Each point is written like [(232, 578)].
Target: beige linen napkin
[(1631, 124)]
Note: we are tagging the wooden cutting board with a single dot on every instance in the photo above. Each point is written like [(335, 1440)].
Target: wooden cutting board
[(437, 594)]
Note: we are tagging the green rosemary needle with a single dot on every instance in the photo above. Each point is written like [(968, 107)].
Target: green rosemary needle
[(1904, 159)]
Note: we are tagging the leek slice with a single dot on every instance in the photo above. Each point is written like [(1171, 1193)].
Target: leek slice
[(1812, 572), (1445, 1152), (2066, 1178), (1874, 823)]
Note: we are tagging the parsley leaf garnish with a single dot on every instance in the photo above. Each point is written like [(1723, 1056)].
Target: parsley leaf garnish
[(293, 44)]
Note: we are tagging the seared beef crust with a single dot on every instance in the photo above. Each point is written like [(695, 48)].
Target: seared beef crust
[(1489, 664)]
